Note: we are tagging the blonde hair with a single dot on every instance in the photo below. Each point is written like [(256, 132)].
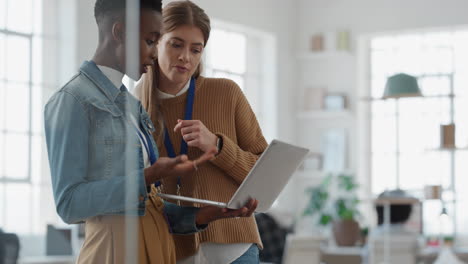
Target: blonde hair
[(174, 15)]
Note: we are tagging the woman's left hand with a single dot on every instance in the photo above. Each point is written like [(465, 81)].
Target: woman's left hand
[(195, 133), (212, 213)]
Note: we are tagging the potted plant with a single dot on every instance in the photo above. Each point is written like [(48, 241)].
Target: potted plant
[(335, 202)]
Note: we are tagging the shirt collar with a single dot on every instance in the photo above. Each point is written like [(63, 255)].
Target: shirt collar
[(163, 95), (89, 69), (113, 75)]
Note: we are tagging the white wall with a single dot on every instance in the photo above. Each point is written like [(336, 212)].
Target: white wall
[(378, 15)]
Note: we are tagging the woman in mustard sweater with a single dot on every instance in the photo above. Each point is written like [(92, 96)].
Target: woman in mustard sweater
[(198, 113)]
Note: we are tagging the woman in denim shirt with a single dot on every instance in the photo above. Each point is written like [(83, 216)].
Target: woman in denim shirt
[(99, 140)]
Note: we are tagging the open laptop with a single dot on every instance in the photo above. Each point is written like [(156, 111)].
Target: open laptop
[(265, 181)]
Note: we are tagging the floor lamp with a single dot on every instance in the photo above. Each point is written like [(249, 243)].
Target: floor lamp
[(398, 86)]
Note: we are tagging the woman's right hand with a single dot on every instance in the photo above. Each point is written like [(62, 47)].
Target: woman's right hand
[(178, 166)]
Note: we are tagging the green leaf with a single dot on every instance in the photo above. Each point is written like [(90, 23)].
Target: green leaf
[(325, 219)]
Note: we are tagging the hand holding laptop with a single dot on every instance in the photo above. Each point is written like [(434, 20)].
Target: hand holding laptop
[(265, 181), (212, 213)]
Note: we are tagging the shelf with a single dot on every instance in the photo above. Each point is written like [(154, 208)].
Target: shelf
[(323, 114), (320, 55), (400, 200), (449, 149)]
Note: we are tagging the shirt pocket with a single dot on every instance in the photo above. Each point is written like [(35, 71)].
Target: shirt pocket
[(108, 135)]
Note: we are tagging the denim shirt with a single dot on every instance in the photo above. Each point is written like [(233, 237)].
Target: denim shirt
[(93, 150)]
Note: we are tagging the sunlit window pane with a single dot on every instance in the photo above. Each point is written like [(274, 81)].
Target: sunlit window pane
[(419, 169), (18, 59), (417, 136), (20, 15), (420, 121), (438, 60), (378, 86), (37, 110), (438, 39), (383, 43), (228, 51), (461, 122), (18, 209), (431, 214), (383, 172), (16, 156), (21, 57), (461, 53), (383, 134), (2, 56), (408, 41), (461, 182), (17, 107), (37, 65), (2, 157), (382, 64), (461, 82), (37, 16), (2, 106), (3, 9), (237, 53), (36, 161), (2, 204), (437, 85), (409, 60), (383, 108), (215, 47)]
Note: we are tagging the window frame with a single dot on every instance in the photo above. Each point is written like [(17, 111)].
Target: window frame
[(364, 113), (4, 132)]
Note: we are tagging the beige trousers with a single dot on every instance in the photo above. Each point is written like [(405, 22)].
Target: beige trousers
[(105, 238)]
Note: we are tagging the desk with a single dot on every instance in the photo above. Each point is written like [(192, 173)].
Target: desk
[(48, 260), (429, 255), (348, 255), (311, 250), (302, 249)]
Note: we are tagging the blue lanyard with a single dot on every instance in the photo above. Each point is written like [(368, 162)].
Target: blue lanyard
[(148, 146), (188, 116)]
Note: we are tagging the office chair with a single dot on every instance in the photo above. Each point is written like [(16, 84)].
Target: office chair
[(9, 248)]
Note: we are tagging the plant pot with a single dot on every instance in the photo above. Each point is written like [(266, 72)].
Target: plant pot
[(346, 232)]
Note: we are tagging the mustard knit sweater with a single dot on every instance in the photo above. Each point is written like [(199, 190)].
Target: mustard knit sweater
[(222, 107)]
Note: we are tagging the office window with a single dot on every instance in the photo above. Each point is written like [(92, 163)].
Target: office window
[(21, 136), (440, 62), (245, 56), (226, 56)]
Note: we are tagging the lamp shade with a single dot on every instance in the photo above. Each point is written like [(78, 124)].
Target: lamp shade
[(401, 85)]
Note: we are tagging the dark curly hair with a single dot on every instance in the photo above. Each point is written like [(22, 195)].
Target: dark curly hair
[(104, 8)]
